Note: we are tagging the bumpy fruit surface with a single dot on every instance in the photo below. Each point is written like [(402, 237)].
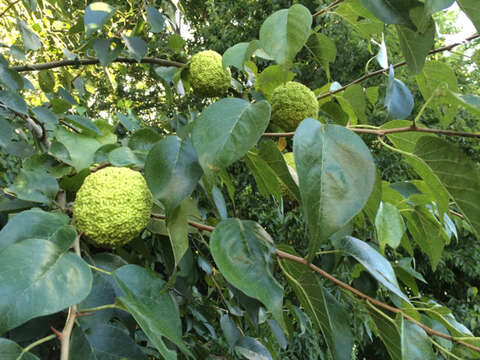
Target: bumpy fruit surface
[(207, 76), (291, 103), (112, 206)]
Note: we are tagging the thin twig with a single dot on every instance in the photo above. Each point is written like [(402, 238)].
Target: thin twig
[(328, 8), (287, 256), (101, 166), (383, 132), (36, 343), (9, 7), (381, 71), (60, 63), (71, 317)]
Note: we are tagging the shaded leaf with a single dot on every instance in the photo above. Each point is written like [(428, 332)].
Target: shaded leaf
[(252, 349), (13, 101), (137, 46), (36, 186), (31, 41), (155, 19), (12, 351), (104, 52), (398, 99), (392, 11), (96, 15), (389, 225)]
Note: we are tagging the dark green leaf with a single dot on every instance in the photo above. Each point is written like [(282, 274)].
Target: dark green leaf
[(104, 52), (12, 351), (155, 19), (34, 223), (10, 78), (324, 49), (470, 7), (50, 281), (265, 177), (392, 11), (96, 15), (243, 252), (13, 101), (124, 156), (389, 225), (46, 116), (227, 129), (46, 80), (82, 122), (80, 348), (432, 6), (143, 139), (252, 349), (177, 228), (36, 186), (230, 330), (285, 32), (128, 122), (172, 170), (155, 312), (374, 262), (333, 164), (112, 343), (327, 314)]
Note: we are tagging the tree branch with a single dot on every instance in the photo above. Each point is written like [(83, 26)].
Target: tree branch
[(327, 8), (287, 256), (9, 7), (384, 132), (381, 71), (77, 62)]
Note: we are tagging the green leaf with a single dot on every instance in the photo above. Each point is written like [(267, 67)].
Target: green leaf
[(274, 158), (128, 122), (428, 233), (12, 351), (243, 252), (46, 80), (324, 49), (392, 11), (124, 156), (96, 15), (227, 129), (172, 170), (177, 228), (459, 175), (398, 99), (238, 54), (434, 75), (468, 101), (112, 343), (143, 139), (327, 314), (10, 78), (31, 41), (252, 349), (155, 19), (285, 32), (333, 164), (470, 7), (80, 348), (415, 45), (389, 225), (155, 311), (83, 123), (46, 117), (265, 177), (51, 280), (272, 77), (82, 147), (230, 330), (373, 261), (355, 97), (34, 223), (432, 6), (137, 46), (104, 51), (13, 101), (36, 186)]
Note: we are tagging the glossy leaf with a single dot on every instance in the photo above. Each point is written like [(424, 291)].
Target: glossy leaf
[(36, 186), (227, 129), (333, 164), (389, 225), (96, 15), (391, 11), (243, 252), (172, 171), (34, 223), (137, 46), (432, 6), (155, 312), (10, 78), (238, 54), (285, 32), (374, 262), (13, 101), (398, 99), (327, 314), (50, 281)]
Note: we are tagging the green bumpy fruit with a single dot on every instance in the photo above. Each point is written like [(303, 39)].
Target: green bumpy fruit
[(112, 206), (291, 103), (207, 76)]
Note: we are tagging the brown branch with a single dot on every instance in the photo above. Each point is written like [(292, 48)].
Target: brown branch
[(8, 8), (326, 9), (284, 255), (60, 63), (384, 132), (381, 71), (101, 166), (429, 331)]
